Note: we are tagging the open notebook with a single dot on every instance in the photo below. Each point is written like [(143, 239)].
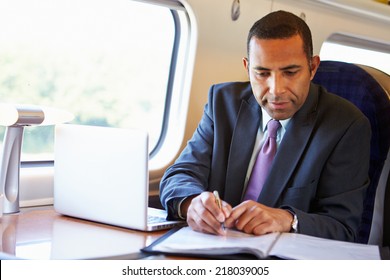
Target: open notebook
[(236, 245), (101, 174)]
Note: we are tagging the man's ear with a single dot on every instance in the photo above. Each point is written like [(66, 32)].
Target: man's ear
[(315, 63), (245, 61)]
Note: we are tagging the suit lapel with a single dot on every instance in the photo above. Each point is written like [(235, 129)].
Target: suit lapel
[(290, 150), (243, 139)]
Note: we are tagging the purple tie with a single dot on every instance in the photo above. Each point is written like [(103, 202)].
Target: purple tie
[(263, 163)]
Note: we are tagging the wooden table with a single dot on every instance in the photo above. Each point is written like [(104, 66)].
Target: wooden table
[(41, 233)]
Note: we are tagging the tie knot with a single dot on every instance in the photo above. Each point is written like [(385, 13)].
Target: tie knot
[(273, 127)]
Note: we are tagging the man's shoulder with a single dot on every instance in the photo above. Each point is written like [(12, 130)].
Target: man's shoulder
[(236, 90), (338, 104), (232, 85)]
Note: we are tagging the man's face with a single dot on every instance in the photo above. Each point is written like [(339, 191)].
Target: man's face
[(280, 74)]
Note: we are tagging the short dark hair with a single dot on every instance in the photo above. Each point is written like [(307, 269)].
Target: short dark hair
[(282, 25)]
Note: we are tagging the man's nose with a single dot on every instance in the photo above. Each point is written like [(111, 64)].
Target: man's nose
[(276, 85)]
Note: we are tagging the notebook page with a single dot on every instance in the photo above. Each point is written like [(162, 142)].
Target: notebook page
[(305, 247), (186, 240)]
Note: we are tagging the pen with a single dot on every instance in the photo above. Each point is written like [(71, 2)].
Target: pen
[(219, 203)]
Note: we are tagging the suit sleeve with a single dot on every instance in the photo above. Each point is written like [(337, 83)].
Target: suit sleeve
[(190, 173)]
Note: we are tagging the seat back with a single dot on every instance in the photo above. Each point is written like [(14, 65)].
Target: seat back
[(369, 90), (386, 215)]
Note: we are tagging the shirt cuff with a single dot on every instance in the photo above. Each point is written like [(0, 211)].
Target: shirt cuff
[(173, 210)]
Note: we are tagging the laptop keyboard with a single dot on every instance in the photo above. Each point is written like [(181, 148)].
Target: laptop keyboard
[(155, 219)]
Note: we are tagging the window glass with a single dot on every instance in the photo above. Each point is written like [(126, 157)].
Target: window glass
[(106, 61), (351, 49)]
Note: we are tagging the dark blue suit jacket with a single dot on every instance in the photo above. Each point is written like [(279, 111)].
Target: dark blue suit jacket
[(320, 171)]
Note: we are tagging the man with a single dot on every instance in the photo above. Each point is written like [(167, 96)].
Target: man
[(319, 175)]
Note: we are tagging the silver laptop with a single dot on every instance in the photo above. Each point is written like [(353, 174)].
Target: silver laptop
[(101, 174)]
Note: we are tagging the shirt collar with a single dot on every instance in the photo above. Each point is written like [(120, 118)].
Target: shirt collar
[(266, 118)]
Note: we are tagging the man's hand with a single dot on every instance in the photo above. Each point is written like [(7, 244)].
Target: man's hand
[(255, 218), (204, 215)]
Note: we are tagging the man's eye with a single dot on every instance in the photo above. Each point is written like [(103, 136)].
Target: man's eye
[(290, 73), (262, 74)]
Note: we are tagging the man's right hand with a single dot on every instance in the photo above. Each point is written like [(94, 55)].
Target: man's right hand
[(203, 214)]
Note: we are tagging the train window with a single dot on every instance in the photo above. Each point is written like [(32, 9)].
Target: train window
[(343, 47), (111, 63)]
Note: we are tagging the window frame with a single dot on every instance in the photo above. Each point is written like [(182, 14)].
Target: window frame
[(345, 40), (37, 177)]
